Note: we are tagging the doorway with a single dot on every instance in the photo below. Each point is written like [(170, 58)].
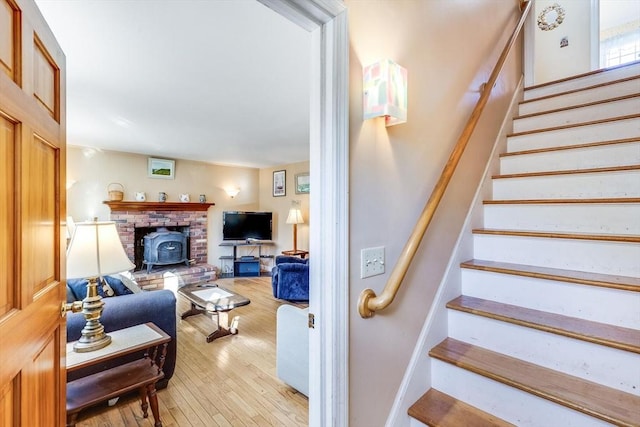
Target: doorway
[(326, 20)]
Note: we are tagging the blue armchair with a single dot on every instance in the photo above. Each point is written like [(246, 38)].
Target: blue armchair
[(290, 278)]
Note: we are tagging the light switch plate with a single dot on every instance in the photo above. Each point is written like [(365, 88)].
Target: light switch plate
[(371, 262)]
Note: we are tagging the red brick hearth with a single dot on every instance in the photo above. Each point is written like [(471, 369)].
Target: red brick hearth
[(130, 216)]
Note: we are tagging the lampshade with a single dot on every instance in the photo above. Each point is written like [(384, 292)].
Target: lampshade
[(385, 92), (95, 250), (295, 216), (232, 192)]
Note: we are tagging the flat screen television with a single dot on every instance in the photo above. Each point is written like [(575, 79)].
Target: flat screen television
[(246, 225)]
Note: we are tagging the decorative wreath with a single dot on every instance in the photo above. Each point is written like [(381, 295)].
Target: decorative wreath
[(542, 18)]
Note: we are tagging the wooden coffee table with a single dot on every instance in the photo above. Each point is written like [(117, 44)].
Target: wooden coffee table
[(216, 301)]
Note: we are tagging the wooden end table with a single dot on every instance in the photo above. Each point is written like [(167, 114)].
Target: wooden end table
[(301, 254), (141, 374), (216, 301)]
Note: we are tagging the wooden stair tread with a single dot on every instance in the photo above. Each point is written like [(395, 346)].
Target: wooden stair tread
[(570, 147), (575, 125), (437, 409), (576, 106), (610, 200), (585, 74), (568, 172), (546, 234), (586, 330), (581, 277), (593, 399), (576, 90)]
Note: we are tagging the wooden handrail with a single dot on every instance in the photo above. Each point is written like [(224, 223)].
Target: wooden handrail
[(368, 302)]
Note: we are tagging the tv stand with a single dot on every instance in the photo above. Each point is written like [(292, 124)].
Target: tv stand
[(244, 265)]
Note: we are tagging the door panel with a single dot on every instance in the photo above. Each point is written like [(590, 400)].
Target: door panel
[(40, 248), (9, 38), (7, 143), (32, 206)]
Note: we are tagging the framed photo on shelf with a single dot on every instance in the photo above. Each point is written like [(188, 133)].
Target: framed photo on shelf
[(302, 183), (279, 183), (161, 168)]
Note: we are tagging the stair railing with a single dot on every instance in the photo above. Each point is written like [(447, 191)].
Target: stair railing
[(368, 302)]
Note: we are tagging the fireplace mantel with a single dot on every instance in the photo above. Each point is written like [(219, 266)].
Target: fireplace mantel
[(157, 206)]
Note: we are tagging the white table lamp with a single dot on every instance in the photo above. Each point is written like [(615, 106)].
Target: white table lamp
[(295, 218), (95, 250)]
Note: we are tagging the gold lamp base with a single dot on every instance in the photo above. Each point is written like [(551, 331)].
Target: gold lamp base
[(93, 336)]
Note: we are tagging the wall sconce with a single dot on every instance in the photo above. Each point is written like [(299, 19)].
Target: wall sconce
[(385, 92), (232, 192)]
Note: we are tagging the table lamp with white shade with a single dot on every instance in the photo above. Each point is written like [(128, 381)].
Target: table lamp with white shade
[(295, 218), (95, 251)]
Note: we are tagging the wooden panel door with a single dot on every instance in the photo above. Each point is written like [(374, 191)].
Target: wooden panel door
[(32, 212)]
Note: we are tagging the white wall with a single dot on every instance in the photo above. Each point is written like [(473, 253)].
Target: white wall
[(280, 206), (449, 48), (552, 62), (90, 171)]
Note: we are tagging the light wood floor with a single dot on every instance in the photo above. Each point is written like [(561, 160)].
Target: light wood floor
[(229, 382)]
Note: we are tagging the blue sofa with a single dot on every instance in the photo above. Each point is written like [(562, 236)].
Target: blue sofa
[(123, 311), (290, 278)]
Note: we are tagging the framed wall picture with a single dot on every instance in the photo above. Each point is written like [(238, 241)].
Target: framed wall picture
[(302, 183), (161, 168), (279, 183)]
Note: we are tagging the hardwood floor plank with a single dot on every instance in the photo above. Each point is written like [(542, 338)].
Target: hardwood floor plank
[(228, 382)]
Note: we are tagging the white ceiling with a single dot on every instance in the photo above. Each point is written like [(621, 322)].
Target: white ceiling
[(219, 81)]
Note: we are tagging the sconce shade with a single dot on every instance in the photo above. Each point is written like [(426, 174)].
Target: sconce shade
[(295, 216), (95, 250), (385, 92), (232, 192)]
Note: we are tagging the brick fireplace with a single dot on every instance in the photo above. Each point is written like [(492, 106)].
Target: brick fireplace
[(132, 217)]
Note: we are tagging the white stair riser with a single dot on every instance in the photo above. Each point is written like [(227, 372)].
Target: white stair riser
[(569, 186), (600, 156), (615, 258), (508, 403), (606, 131), (415, 423), (597, 363), (569, 299), (600, 93), (585, 114), (583, 82), (620, 218)]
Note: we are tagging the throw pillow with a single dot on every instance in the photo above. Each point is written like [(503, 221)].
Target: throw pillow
[(70, 295), (106, 288), (115, 285), (78, 288), (127, 280)]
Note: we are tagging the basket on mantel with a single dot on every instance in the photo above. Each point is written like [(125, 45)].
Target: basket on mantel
[(116, 192)]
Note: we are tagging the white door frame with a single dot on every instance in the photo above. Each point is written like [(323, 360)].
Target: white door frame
[(329, 232), (595, 34)]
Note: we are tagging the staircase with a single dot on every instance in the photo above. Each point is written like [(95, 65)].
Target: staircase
[(547, 329)]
